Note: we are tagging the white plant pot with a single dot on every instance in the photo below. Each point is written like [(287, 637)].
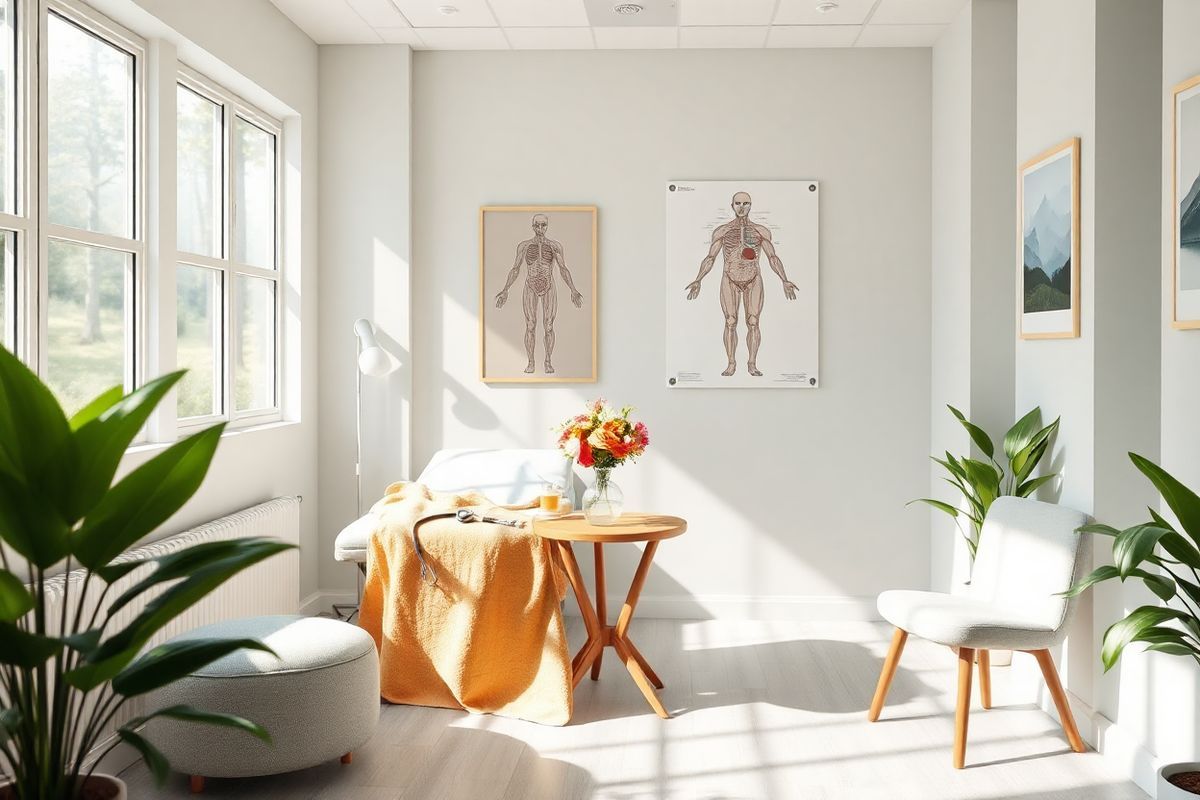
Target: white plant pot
[(1168, 790), (117, 790), (1000, 658)]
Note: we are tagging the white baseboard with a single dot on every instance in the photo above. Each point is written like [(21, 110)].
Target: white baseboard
[(729, 606), (1126, 755), (322, 602)]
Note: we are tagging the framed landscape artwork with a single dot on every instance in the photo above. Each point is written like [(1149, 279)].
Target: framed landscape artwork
[(742, 291), (537, 294), (1048, 267), (1185, 302)]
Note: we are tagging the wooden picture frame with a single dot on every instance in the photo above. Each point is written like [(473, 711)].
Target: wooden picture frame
[(1041, 313), (534, 267), (1185, 300)]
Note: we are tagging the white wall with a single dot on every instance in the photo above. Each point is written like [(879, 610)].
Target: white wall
[(1172, 710), (366, 254), (1091, 68), (225, 39), (795, 499), (974, 138)]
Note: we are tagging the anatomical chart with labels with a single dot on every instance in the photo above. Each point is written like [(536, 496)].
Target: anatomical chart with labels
[(742, 284)]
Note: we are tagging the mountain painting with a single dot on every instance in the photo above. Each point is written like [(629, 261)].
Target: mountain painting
[(1189, 185), (1047, 230)]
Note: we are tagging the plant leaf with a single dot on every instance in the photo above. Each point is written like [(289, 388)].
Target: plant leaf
[(183, 563), (15, 599), (145, 498), (1095, 527), (104, 401), (154, 759), (1133, 545), (1138, 622), (1026, 461), (169, 662), (1033, 484), (1021, 433), (1182, 500), (34, 434), (103, 440), (25, 650), (1104, 573), (978, 435), (29, 523), (189, 714), (120, 649), (938, 504)]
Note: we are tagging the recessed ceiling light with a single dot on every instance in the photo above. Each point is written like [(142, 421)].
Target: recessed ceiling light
[(447, 10), (826, 6), (627, 8)]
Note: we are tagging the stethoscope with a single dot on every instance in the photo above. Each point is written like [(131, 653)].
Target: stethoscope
[(464, 516)]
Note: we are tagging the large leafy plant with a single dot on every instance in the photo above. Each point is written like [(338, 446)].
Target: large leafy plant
[(981, 482), (1157, 543), (65, 674)]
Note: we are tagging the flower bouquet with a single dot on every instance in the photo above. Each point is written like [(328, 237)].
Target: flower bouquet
[(603, 438)]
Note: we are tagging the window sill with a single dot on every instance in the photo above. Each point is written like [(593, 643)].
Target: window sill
[(149, 448)]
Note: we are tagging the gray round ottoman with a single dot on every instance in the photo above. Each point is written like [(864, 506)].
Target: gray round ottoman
[(319, 699)]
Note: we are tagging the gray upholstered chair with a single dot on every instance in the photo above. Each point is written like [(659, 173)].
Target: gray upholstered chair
[(1029, 553)]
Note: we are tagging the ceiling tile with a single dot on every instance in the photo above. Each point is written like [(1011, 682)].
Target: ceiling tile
[(654, 14), (463, 39), (540, 13), (407, 36), (804, 12), (550, 38), (746, 36), (328, 21), (637, 38), (726, 12), (900, 35), (379, 13), (813, 35), (917, 12), (425, 14)]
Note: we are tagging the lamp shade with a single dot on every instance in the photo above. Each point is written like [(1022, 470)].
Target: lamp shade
[(373, 360)]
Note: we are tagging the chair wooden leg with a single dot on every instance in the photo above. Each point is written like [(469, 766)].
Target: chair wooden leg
[(196, 784), (899, 637), (1050, 673), (347, 758), (966, 667), (985, 678)]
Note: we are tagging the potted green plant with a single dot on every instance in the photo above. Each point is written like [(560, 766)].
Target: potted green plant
[(63, 679), (981, 482), (1173, 628)]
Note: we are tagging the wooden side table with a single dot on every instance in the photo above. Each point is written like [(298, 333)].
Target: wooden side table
[(648, 528)]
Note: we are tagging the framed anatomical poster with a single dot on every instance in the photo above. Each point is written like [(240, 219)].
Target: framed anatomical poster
[(742, 288), (537, 294)]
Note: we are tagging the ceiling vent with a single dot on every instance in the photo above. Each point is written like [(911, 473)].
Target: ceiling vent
[(642, 14)]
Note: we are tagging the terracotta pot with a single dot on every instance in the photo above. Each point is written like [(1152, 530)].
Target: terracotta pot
[(1168, 790), (98, 787)]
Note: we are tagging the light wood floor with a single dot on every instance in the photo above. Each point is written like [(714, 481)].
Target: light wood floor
[(764, 710)]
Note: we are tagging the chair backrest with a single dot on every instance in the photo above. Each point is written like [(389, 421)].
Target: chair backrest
[(1029, 551), (506, 477)]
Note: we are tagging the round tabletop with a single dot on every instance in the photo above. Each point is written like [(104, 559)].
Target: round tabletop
[(628, 528)]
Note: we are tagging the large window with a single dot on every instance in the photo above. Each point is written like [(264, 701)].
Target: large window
[(82, 296), (91, 230), (228, 238)]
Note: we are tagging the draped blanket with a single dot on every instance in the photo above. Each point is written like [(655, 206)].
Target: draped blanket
[(488, 635)]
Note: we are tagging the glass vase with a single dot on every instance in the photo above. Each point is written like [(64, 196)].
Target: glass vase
[(603, 501)]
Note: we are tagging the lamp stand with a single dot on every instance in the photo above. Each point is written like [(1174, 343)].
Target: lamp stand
[(348, 611)]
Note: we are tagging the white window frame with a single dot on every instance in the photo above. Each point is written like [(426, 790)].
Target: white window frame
[(22, 223), (136, 276), (228, 269)]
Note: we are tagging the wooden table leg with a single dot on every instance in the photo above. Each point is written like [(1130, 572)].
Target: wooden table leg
[(601, 604), (595, 641), (620, 640)]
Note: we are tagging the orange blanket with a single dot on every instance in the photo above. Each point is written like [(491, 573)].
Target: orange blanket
[(488, 636)]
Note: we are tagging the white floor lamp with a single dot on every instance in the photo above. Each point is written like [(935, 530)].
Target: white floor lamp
[(374, 362)]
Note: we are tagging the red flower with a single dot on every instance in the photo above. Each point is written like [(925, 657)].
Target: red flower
[(585, 452), (641, 434)]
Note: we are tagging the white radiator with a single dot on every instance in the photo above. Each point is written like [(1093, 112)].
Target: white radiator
[(269, 587)]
